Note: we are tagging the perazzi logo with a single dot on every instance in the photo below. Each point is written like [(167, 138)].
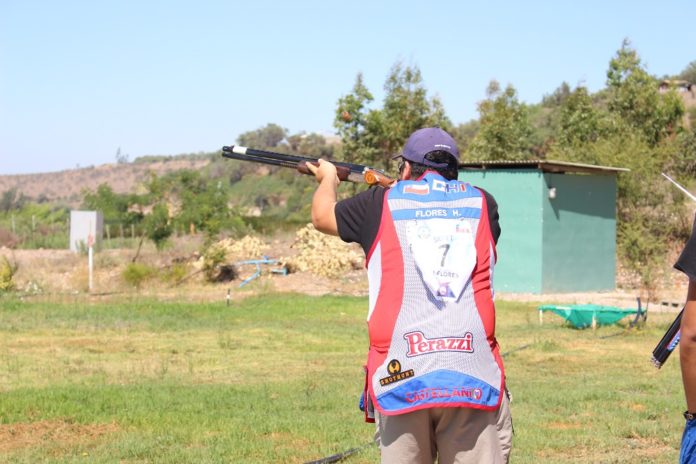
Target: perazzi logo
[(418, 344)]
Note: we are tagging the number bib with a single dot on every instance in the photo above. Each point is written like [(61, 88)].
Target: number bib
[(444, 254)]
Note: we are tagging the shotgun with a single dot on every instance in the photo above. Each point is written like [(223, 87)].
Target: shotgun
[(668, 343), (346, 171), (670, 339)]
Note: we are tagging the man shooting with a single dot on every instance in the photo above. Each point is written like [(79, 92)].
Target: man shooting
[(435, 378)]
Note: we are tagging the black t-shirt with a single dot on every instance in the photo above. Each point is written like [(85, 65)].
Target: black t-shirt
[(687, 260), (358, 217)]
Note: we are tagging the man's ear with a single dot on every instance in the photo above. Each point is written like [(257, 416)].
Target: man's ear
[(406, 172)]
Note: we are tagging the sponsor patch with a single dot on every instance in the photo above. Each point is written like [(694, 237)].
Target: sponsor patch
[(418, 344), (444, 393), (394, 368)]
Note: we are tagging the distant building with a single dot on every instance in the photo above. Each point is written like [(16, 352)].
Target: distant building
[(679, 85), (687, 92), (558, 224)]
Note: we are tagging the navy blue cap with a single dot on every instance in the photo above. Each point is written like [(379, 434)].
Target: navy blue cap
[(424, 141)]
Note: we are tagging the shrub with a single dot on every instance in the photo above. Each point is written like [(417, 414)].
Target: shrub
[(136, 274), (7, 272), (175, 273), (213, 257)]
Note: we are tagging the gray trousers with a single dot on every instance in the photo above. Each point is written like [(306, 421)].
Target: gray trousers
[(450, 435)]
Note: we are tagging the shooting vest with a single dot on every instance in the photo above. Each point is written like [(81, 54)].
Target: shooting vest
[(431, 320)]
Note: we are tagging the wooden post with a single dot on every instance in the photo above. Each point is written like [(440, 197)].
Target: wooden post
[(90, 258)]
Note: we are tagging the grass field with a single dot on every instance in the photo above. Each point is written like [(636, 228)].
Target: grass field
[(277, 379)]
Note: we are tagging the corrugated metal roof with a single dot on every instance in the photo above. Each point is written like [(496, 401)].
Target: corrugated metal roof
[(543, 165)]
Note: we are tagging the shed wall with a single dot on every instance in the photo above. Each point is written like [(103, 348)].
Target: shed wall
[(579, 233), (518, 194)]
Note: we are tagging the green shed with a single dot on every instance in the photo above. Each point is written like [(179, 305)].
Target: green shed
[(558, 224)]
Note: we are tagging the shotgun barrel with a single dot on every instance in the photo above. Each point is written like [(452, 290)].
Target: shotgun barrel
[(668, 342), (346, 171)]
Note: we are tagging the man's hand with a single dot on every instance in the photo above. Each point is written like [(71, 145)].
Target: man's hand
[(325, 170)]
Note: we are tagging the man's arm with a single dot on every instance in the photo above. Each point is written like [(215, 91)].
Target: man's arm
[(324, 199), (493, 216), (687, 347)]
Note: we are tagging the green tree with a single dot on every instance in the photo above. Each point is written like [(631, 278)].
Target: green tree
[(115, 207), (269, 136), (634, 96), (689, 73), (157, 225), (12, 199), (465, 133), (505, 132), (351, 121), (313, 145), (557, 97), (373, 136), (580, 121), (406, 108)]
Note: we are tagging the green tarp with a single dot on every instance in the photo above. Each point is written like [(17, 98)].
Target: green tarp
[(581, 316)]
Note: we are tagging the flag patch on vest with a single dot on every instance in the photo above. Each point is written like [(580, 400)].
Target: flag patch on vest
[(419, 344), (417, 189)]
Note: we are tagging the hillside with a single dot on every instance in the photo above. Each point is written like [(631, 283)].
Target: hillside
[(67, 186)]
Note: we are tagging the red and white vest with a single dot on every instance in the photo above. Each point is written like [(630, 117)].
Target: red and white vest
[(431, 320)]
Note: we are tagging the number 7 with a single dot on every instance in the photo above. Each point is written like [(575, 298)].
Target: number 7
[(444, 254)]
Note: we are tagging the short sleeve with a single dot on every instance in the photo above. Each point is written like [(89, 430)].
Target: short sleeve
[(358, 217)]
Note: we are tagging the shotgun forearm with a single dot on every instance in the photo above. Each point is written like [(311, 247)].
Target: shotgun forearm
[(346, 171)]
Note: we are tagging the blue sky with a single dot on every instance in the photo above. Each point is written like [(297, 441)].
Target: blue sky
[(81, 79)]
